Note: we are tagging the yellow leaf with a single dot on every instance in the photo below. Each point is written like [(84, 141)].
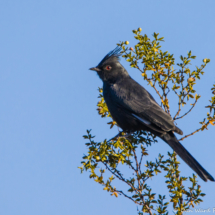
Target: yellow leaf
[(190, 80), (115, 194), (151, 83), (97, 157), (211, 122)]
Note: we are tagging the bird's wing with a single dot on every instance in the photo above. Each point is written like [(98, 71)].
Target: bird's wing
[(140, 104), (155, 115)]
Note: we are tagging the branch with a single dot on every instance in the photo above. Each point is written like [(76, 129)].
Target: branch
[(119, 191), (140, 162), (137, 165), (137, 168), (193, 132), (149, 210), (146, 78), (193, 105), (122, 179)]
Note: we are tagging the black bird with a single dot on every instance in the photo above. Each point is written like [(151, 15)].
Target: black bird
[(133, 108)]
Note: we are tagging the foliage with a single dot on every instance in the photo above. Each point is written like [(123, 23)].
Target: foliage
[(159, 72)]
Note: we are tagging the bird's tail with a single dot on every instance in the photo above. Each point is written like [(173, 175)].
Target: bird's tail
[(172, 141)]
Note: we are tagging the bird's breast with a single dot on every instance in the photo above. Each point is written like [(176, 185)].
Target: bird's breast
[(114, 99)]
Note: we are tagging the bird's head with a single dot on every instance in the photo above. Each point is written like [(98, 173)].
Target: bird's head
[(110, 69)]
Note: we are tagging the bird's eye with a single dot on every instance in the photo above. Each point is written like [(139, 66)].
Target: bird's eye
[(108, 67)]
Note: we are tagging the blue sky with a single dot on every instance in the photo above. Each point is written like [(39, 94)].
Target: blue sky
[(48, 96)]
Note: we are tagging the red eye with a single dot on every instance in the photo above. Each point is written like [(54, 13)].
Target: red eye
[(108, 67)]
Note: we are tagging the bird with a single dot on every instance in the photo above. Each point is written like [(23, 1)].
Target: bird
[(134, 109)]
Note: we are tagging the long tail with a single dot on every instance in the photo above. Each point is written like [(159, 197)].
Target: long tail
[(172, 141)]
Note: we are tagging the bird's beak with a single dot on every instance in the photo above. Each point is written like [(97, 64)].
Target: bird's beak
[(95, 69)]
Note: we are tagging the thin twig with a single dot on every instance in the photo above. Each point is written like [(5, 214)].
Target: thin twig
[(137, 164), (182, 100), (187, 111), (137, 168), (179, 109), (175, 93), (149, 210), (148, 80), (119, 177), (140, 162), (193, 132), (122, 179), (119, 191)]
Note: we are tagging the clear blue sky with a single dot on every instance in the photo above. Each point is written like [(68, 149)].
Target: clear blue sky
[(48, 96)]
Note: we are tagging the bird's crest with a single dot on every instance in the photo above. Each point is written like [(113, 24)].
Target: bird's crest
[(111, 55)]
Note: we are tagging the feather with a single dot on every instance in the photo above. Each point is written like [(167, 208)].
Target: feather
[(141, 119), (112, 54)]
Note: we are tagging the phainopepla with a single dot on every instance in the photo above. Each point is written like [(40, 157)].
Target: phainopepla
[(133, 108)]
